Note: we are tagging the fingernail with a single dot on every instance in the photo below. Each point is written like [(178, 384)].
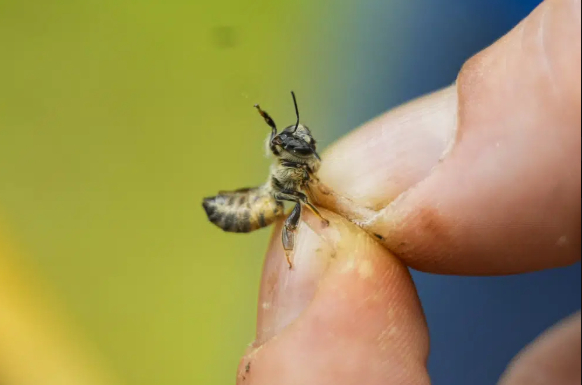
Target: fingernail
[(390, 154), (286, 292)]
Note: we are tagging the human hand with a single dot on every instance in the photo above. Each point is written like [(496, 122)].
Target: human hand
[(482, 178)]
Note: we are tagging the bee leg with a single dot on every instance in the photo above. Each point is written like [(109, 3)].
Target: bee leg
[(299, 197), (316, 212), (288, 234), (273, 126)]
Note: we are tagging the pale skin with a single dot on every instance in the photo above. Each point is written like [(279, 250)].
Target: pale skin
[(481, 178)]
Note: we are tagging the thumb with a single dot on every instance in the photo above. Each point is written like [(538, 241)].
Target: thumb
[(483, 177)]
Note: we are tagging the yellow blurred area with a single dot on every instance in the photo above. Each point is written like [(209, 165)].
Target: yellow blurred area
[(37, 345), (116, 118)]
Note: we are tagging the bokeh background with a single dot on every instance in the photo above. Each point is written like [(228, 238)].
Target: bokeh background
[(117, 117)]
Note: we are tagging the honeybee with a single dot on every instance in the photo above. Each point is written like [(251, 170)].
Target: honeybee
[(294, 168)]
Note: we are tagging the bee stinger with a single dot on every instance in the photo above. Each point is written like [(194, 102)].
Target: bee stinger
[(249, 209)]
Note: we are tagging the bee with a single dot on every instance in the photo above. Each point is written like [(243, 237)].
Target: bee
[(292, 172)]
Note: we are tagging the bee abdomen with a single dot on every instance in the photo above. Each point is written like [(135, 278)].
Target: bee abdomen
[(242, 211)]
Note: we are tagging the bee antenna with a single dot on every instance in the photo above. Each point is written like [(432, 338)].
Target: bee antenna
[(296, 110)]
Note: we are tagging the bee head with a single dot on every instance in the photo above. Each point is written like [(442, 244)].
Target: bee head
[(297, 141)]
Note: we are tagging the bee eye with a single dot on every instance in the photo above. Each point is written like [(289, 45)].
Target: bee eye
[(302, 150)]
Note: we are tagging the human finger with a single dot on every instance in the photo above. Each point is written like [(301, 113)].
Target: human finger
[(482, 177), (347, 313), (553, 358)]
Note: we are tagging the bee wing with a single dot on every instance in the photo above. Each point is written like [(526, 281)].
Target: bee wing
[(236, 192)]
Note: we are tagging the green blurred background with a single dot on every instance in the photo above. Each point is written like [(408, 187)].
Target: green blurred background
[(116, 118)]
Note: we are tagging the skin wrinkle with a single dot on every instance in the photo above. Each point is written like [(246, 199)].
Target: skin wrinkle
[(249, 356), (377, 222), (323, 195), (453, 136)]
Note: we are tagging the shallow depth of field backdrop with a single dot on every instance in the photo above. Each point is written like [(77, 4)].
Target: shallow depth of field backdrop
[(117, 117)]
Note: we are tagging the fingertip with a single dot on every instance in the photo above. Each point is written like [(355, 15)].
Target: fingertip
[(348, 312), (504, 198), (553, 358)]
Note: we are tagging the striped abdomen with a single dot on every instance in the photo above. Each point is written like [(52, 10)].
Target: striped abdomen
[(244, 210)]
